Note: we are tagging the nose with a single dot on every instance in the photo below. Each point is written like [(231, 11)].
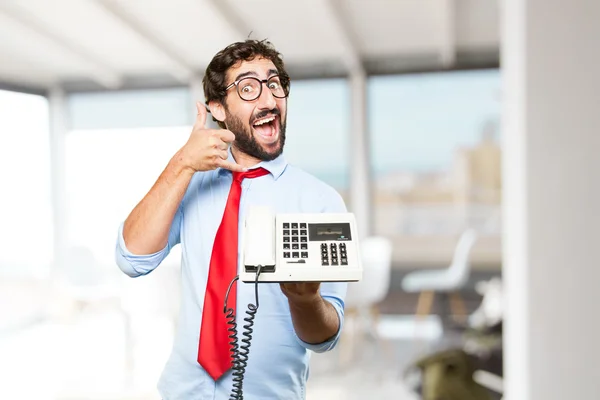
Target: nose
[(266, 101)]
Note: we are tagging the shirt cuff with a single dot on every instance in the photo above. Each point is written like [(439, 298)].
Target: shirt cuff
[(330, 343), (136, 264)]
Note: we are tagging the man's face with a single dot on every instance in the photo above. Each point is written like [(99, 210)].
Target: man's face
[(258, 125)]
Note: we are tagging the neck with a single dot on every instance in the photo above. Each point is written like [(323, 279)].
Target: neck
[(243, 159)]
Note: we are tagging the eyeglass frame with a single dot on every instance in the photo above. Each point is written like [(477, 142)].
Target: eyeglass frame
[(282, 79)]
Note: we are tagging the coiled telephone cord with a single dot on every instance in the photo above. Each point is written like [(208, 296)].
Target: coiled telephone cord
[(239, 354)]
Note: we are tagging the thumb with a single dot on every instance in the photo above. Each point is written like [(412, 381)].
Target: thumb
[(201, 117)]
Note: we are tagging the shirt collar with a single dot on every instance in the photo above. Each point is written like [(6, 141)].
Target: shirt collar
[(275, 167)]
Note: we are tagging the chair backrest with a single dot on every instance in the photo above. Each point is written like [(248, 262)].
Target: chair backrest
[(460, 267), (376, 255)]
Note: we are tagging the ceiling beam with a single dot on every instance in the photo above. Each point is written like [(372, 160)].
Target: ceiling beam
[(337, 14), (98, 70), (448, 32), (28, 89), (179, 67), (231, 17)]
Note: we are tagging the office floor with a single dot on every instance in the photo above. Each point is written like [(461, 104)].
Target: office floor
[(84, 359), (82, 356)]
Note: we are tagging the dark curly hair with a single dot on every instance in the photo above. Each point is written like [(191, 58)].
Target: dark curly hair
[(214, 78)]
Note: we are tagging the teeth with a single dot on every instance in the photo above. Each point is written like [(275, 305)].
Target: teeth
[(264, 121)]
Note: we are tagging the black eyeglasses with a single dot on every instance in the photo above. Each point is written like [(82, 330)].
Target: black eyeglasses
[(250, 88)]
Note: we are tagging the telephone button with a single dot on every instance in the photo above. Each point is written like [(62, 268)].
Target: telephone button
[(303, 225), (295, 254), (323, 246), (294, 238), (303, 239), (286, 246), (304, 254), (286, 254), (334, 261), (303, 232), (295, 232), (286, 232), (286, 239), (294, 225), (344, 261), (286, 225), (295, 246), (324, 262), (304, 246)]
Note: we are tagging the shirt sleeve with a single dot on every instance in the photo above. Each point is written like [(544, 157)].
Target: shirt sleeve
[(135, 265), (332, 292)]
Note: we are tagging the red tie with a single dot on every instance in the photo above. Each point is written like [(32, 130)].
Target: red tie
[(213, 352)]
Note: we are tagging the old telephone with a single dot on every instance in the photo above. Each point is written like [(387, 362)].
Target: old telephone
[(300, 247), (319, 247)]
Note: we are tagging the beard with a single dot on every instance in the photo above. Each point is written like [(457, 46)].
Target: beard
[(247, 143)]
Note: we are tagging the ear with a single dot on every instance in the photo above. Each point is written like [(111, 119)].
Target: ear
[(217, 110)]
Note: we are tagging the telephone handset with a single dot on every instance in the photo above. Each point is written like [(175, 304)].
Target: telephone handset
[(320, 247), (299, 247)]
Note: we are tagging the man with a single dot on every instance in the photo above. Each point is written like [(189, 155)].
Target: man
[(195, 203)]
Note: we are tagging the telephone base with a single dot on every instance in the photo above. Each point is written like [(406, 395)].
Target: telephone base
[(303, 274)]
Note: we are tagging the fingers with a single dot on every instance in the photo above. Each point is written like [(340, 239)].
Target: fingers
[(216, 142), (201, 117), (226, 136), (231, 166)]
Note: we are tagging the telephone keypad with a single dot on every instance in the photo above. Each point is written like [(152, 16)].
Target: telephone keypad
[(343, 255), (295, 237)]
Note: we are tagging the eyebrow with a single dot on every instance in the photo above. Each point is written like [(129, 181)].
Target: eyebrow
[(270, 73)]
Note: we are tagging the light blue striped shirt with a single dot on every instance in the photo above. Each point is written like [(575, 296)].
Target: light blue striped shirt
[(278, 364)]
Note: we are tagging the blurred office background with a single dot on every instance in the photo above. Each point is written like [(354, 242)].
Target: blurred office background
[(398, 104)]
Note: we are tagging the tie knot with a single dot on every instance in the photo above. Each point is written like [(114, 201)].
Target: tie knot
[(253, 173)]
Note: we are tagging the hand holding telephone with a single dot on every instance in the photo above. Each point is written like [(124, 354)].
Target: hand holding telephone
[(321, 247), (299, 247)]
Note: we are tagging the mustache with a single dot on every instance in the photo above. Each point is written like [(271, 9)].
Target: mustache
[(265, 113)]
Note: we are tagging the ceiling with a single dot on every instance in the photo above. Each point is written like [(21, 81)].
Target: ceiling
[(112, 44)]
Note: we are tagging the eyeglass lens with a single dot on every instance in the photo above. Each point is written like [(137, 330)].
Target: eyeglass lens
[(250, 88)]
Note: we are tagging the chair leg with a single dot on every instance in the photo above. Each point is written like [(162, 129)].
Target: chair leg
[(423, 309), (457, 305), (424, 303)]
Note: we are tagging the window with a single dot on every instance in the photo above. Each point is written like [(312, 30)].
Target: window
[(435, 155), (108, 173), (26, 212), (317, 130)]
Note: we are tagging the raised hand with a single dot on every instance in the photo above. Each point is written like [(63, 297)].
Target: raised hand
[(206, 149)]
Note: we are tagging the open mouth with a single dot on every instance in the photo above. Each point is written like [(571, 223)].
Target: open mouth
[(267, 128)]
